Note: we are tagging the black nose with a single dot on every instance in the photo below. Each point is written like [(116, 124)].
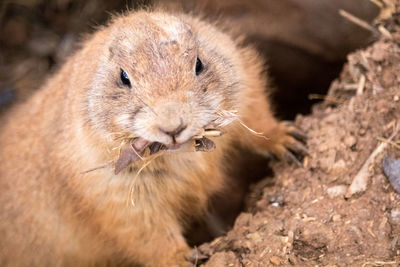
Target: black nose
[(174, 133)]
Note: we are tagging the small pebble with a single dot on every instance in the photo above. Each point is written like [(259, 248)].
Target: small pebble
[(391, 168), (335, 191), (338, 167), (336, 217), (378, 53), (350, 141), (256, 237), (395, 213), (362, 131), (223, 259), (275, 260), (276, 200)]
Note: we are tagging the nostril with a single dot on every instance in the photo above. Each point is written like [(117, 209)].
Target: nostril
[(174, 133)]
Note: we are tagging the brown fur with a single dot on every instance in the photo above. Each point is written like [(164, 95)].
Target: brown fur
[(53, 214)]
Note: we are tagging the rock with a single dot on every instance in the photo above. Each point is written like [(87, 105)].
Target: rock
[(350, 141), (255, 237), (336, 217), (275, 260), (395, 213), (391, 167), (327, 160), (338, 167), (228, 259), (379, 52), (336, 191)]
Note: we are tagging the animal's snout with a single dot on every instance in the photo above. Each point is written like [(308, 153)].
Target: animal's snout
[(172, 121), (174, 133)]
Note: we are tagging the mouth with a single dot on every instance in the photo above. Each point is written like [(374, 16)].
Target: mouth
[(134, 151)]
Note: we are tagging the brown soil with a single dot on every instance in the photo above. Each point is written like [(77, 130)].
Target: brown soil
[(306, 216), (300, 216)]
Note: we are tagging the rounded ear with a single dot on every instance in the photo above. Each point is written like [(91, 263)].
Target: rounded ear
[(113, 45), (119, 47), (111, 52)]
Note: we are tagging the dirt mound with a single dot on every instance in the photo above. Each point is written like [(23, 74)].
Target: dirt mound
[(317, 215)]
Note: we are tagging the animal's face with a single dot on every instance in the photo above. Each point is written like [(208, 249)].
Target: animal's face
[(164, 79)]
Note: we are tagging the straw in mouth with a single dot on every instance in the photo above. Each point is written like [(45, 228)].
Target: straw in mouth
[(133, 151)]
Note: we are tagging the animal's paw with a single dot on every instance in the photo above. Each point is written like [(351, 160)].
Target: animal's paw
[(287, 142)]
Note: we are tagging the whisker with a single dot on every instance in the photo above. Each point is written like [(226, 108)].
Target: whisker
[(226, 117), (98, 167), (252, 131)]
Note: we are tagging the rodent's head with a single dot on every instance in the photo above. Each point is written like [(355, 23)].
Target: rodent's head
[(164, 78)]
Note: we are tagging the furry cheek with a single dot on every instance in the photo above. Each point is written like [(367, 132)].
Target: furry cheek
[(123, 121)]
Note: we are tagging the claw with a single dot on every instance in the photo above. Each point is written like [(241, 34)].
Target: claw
[(299, 149), (295, 132), (293, 144), (289, 157), (287, 143), (299, 135)]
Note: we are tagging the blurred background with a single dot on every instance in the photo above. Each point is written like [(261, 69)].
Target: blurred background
[(305, 42)]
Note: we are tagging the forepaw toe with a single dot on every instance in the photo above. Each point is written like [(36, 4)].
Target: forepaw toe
[(289, 143)]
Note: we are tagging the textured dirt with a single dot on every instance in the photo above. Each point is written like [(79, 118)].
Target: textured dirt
[(306, 216)]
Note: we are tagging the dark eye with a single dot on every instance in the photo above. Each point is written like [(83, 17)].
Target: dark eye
[(125, 79), (199, 66)]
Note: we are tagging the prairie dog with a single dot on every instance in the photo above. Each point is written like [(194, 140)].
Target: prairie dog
[(148, 77)]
